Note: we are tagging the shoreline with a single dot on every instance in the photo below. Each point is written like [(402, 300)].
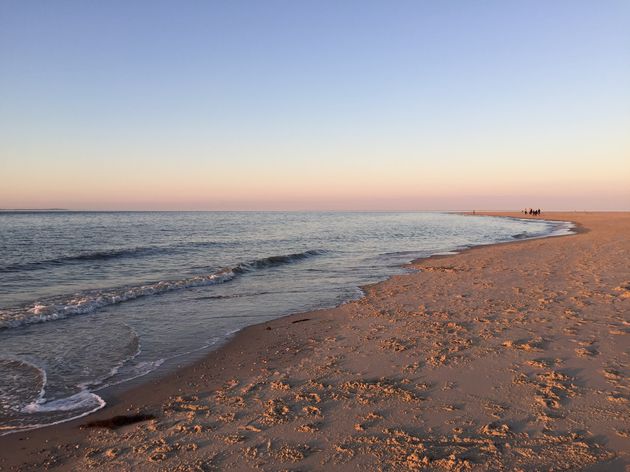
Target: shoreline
[(169, 366), (251, 352)]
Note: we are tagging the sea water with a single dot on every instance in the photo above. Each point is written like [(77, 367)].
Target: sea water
[(92, 299)]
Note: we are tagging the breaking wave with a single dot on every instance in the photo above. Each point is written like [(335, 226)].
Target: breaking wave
[(90, 301), (274, 261)]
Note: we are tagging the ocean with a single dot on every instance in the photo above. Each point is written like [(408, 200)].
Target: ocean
[(94, 299)]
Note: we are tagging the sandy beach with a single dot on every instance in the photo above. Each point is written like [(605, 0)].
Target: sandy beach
[(505, 357)]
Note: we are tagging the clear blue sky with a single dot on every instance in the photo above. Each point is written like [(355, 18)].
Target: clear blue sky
[(295, 104)]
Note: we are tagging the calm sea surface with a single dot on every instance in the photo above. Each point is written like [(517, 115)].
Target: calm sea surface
[(89, 300)]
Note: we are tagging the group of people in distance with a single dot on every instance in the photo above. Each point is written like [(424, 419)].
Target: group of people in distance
[(531, 211)]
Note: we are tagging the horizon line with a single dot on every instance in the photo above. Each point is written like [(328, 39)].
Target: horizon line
[(69, 210)]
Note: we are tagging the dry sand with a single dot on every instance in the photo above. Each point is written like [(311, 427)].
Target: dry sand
[(504, 357)]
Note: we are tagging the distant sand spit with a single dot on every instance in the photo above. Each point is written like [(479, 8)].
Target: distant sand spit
[(505, 357)]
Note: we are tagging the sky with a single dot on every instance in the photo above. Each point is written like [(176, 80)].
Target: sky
[(315, 105)]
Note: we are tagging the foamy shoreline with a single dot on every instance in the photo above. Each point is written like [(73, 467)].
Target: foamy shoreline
[(241, 359)]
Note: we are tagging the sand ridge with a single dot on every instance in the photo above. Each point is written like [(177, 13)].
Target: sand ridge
[(504, 357)]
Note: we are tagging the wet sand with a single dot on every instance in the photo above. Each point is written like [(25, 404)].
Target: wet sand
[(504, 357)]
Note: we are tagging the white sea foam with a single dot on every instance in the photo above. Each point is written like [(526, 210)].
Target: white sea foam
[(88, 302), (87, 401), (12, 399), (79, 401)]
